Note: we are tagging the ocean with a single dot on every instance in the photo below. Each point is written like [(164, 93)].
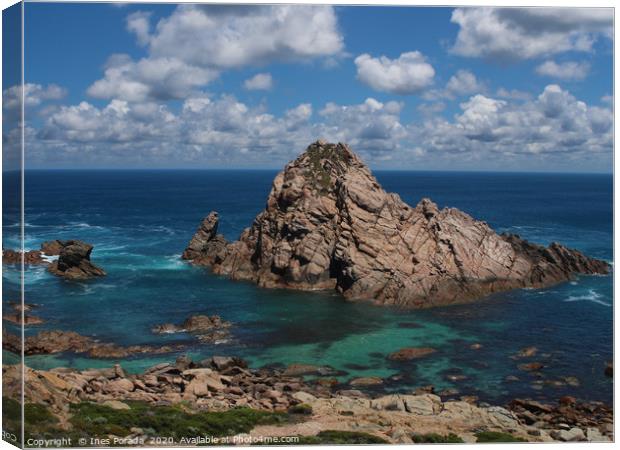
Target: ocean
[(140, 222)]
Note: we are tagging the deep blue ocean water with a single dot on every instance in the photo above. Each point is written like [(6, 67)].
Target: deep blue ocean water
[(140, 222)]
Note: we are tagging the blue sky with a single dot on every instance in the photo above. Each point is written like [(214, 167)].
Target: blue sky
[(158, 86)]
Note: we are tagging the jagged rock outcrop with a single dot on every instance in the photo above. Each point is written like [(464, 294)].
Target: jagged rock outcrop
[(74, 261), (52, 248), (328, 224)]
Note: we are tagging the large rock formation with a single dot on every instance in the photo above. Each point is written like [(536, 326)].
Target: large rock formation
[(74, 261), (328, 224)]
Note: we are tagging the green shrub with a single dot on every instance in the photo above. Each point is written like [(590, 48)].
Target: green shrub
[(435, 438), (92, 419), (35, 414), (336, 437), (497, 436)]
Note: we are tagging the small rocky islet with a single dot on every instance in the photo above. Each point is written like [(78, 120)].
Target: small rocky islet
[(73, 262), (328, 224)]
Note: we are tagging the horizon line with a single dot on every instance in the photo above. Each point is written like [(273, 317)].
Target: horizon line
[(269, 169)]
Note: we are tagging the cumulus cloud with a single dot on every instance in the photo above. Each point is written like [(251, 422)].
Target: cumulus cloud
[(370, 127), (553, 123), (34, 95), (569, 70), (520, 33), (222, 129), (139, 24), (410, 73), (462, 83), (227, 36), (259, 82), (513, 94), (192, 46), (149, 79), (119, 121)]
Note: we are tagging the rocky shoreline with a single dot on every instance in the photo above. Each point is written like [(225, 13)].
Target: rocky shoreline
[(328, 224), (226, 384), (206, 329)]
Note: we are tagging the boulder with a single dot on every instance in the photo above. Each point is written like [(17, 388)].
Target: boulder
[(366, 381), (328, 224), (572, 435), (531, 367), (409, 353), (223, 363), (527, 352), (116, 404), (295, 370), (52, 248), (205, 328), (74, 262)]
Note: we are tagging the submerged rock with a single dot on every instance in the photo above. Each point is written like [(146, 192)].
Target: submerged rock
[(205, 328), (16, 318), (609, 369), (406, 354), (328, 224), (74, 261)]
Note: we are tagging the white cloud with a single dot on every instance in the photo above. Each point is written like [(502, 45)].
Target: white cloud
[(118, 122), (139, 24), (222, 130), (513, 94), (149, 79), (462, 83), (408, 74), (569, 70), (259, 82), (370, 127), (521, 33), (34, 95), (191, 47), (226, 36), (555, 123)]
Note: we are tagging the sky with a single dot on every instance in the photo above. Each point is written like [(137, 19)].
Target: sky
[(205, 86)]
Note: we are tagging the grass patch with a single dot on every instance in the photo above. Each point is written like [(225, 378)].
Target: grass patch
[(335, 437), (40, 423), (435, 438), (497, 436), (90, 419), (11, 418), (317, 173), (35, 414)]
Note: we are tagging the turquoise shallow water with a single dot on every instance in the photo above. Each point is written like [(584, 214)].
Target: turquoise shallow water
[(140, 222)]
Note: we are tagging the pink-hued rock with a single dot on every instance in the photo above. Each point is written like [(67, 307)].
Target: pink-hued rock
[(328, 224)]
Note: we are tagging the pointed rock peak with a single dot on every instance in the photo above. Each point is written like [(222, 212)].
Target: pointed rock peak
[(428, 208), (322, 153)]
